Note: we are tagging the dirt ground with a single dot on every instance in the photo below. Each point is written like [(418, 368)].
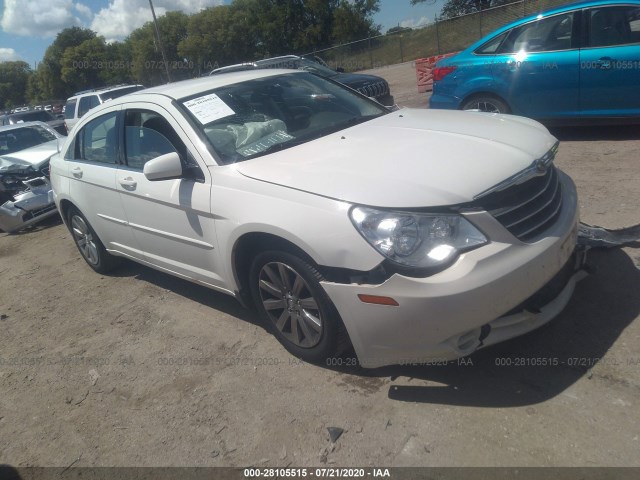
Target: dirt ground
[(141, 369)]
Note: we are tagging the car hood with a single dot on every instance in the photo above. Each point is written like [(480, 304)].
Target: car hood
[(408, 158), (356, 80), (34, 156)]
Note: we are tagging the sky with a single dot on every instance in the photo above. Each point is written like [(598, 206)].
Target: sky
[(28, 27)]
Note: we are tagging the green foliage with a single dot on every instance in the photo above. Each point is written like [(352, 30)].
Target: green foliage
[(147, 65), (244, 30), (456, 8), (253, 29), (50, 69), (352, 20), (398, 29), (81, 65), (13, 83), (218, 36)]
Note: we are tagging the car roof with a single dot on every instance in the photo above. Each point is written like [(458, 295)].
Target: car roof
[(186, 88), (277, 59), (563, 8), (545, 13), (97, 91), (254, 64), (15, 126), (237, 67)]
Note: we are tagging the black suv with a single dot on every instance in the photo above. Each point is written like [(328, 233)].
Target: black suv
[(368, 85)]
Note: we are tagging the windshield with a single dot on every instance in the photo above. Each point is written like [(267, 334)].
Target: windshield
[(253, 118), (17, 139)]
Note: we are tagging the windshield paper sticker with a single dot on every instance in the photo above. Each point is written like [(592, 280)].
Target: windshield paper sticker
[(208, 108)]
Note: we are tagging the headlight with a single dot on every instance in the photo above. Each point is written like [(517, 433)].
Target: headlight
[(416, 240)]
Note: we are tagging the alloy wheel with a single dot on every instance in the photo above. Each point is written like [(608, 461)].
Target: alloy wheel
[(483, 106), (290, 305), (85, 240)]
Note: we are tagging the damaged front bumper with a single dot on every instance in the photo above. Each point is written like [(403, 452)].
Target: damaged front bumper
[(29, 206), (591, 236)]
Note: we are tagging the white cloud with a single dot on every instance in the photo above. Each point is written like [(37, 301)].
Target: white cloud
[(8, 55), (37, 18), (415, 22), (121, 17), (83, 10)]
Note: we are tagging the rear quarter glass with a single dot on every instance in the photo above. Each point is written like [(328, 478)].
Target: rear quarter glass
[(70, 109)]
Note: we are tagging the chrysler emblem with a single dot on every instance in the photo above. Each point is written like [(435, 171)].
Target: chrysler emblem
[(543, 163)]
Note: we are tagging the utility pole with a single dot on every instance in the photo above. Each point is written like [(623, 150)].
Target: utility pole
[(164, 57)]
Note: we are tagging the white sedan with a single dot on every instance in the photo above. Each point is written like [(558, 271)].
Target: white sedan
[(410, 235)]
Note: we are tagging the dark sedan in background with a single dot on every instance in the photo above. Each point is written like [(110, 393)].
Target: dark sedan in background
[(35, 116)]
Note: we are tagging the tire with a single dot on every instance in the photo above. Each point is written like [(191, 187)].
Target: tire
[(88, 243), (287, 293), (486, 103)]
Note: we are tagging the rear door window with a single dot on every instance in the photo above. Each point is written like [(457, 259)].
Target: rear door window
[(544, 35), (612, 26), (70, 109)]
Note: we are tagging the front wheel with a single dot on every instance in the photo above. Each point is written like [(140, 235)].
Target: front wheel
[(486, 103), (88, 243), (287, 293)]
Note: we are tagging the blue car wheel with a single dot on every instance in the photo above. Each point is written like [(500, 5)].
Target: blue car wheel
[(485, 103)]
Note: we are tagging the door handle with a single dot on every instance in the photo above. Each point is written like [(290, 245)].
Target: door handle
[(76, 172), (128, 183)]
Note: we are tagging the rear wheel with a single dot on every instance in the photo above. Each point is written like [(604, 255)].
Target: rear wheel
[(486, 103), (287, 293), (88, 243)]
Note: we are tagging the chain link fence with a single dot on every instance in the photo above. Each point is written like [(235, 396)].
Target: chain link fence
[(439, 37)]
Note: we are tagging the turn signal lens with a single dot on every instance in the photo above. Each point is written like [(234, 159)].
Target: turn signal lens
[(378, 300)]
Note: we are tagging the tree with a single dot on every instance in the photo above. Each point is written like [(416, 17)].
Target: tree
[(195, 44), (398, 29), (455, 8), (35, 87), (353, 20), (50, 70), (81, 67), (253, 29), (14, 77), (219, 36), (147, 65)]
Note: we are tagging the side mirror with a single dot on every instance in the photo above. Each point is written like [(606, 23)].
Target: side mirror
[(164, 167), (340, 70)]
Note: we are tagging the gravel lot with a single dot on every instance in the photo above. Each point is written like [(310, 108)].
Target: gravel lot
[(141, 369)]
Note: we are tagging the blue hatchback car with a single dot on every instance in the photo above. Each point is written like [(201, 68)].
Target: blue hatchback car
[(577, 62)]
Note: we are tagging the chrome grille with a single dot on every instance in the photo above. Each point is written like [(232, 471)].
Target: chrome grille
[(529, 209), (374, 90)]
